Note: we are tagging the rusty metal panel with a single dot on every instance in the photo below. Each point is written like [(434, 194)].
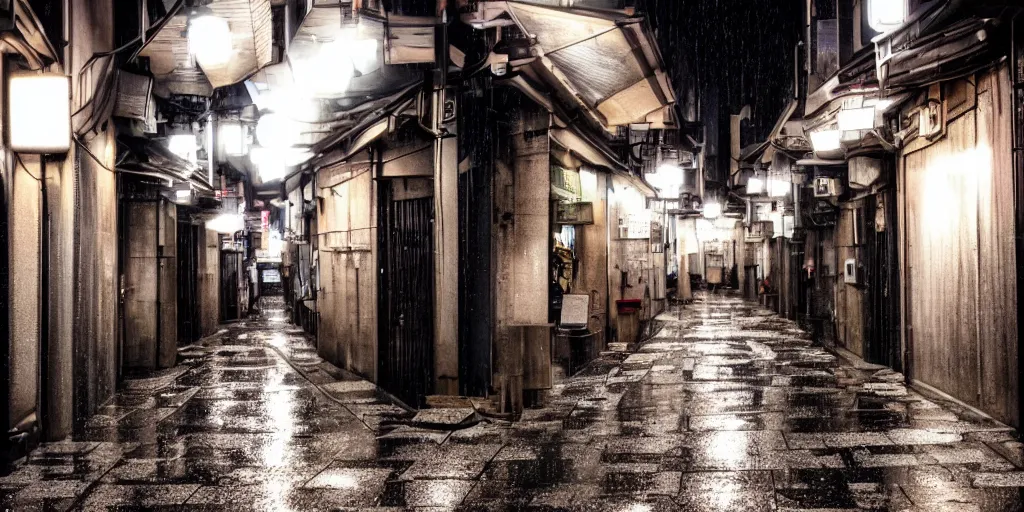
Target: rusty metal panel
[(942, 234), (998, 330)]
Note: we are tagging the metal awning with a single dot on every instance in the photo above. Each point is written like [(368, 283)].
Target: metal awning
[(147, 157), (176, 70), (606, 60)]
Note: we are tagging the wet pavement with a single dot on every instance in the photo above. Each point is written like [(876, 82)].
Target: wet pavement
[(727, 408)]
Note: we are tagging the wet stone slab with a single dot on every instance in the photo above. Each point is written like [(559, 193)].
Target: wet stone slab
[(727, 408)]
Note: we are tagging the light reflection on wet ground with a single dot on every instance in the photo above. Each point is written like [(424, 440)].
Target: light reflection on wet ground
[(727, 408)]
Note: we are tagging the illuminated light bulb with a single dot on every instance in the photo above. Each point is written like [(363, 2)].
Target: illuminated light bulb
[(886, 15), (668, 179), (277, 131), (209, 40), (826, 140), (712, 211)]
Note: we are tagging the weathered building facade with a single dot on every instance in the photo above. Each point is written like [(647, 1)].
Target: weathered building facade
[(898, 177)]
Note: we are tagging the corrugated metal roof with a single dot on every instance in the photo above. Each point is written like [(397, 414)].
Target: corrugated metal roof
[(609, 60)]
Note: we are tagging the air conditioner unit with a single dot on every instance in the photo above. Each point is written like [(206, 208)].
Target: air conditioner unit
[(826, 187)]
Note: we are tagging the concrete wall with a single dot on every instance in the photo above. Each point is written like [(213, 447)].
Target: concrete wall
[(150, 275), (593, 272), (209, 283), (96, 333), (93, 241), (348, 279), (24, 218), (522, 189), (630, 256)]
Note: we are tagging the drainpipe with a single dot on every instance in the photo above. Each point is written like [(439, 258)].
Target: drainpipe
[(43, 384), (1017, 42)]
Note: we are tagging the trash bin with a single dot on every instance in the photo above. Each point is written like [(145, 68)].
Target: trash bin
[(628, 324)]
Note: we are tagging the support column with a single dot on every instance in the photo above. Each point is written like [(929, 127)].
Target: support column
[(446, 247)]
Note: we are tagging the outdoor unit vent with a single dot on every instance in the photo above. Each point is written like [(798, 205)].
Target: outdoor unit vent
[(826, 187), (575, 213), (134, 97)]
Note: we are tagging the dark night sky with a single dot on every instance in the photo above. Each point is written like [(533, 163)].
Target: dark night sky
[(740, 49)]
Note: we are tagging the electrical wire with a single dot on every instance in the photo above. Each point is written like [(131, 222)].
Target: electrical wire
[(105, 86), (91, 154), (17, 156)]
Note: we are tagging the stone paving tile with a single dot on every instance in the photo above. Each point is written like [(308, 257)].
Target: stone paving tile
[(727, 408)]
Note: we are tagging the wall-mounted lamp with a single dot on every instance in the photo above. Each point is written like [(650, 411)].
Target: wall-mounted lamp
[(826, 140), (39, 107), (226, 223)]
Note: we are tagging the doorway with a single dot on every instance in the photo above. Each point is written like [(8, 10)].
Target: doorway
[(406, 296), (190, 238), (230, 272)]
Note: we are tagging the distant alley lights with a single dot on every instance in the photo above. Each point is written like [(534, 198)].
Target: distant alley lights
[(185, 146), (209, 38), (226, 223), (326, 68), (668, 179), (887, 15), (712, 210)]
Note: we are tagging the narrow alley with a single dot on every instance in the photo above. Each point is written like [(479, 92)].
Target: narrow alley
[(727, 407), (609, 255)]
